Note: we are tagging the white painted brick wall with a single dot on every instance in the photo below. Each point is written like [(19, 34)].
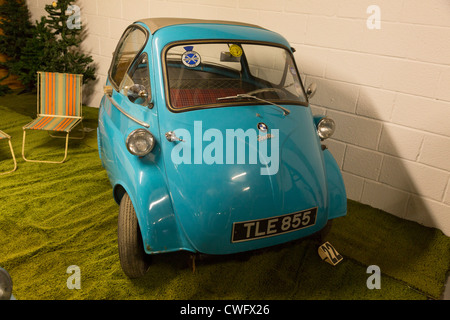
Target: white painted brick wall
[(362, 162), (388, 89), (384, 197), (414, 177), (407, 142)]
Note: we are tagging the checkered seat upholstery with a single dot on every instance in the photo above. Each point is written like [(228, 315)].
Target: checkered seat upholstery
[(181, 98)]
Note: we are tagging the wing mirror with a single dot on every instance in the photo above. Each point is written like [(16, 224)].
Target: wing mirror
[(137, 90), (137, 93), (311, 91)]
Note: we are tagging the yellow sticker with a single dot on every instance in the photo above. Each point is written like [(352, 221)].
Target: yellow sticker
[(235, 50)]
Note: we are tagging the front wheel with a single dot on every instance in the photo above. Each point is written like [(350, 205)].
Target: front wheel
[(133, 259)]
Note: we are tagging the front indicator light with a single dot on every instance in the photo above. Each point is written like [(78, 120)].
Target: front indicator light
[(140, 142), (326, 128)]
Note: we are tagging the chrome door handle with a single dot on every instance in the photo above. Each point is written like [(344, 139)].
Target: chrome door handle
[(171, 137)]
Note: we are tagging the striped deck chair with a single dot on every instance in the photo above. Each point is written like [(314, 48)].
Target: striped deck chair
[(4, 136), (59, 107)]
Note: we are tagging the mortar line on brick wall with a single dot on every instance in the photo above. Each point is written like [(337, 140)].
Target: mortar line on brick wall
[(439, 81), (353, 115), (350, 174), (420, 150), (442, 171), (384, 155), (406, 23), (399, 125), (360, 196), (339, 110), (405, 212), (396, 92), (390, 122), (364, 20), (422, 97), (356, 84), (348, 144), (311, 76), (344, 155), (407, 192), (413, 189), (357, 99), (379, 136), (446, 190), (421, 130), (377, 55), (422, 197), (335, 16), (394, 103), (424, 25), (381, 167), (412, 193)]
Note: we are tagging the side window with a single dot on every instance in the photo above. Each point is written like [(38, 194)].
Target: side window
[(136, 83), (130, 45)]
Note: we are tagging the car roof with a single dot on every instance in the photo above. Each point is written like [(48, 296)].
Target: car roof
[(155, 24)]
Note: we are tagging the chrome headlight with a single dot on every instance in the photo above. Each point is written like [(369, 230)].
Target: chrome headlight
[(5, 285), (325, 128), (140, 142)]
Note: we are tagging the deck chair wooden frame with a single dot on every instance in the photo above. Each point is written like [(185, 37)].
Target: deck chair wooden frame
[(59, 108), (4, 136)]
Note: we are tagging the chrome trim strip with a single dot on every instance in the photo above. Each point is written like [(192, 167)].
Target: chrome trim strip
[(146, 125)]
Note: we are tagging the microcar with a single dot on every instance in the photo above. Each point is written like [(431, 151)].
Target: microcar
[(210, 145)]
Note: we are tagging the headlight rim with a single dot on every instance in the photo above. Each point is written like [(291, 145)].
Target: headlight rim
[(132, 134), (321, 123)]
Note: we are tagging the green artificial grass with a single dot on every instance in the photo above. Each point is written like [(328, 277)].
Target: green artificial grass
[(55, 216)]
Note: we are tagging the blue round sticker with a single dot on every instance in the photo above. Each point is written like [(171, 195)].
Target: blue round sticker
[(191, 59)]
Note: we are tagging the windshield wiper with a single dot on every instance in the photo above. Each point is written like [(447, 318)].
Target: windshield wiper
[(245, 95)]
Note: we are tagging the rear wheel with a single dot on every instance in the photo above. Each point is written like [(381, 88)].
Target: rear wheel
[(133, 259)]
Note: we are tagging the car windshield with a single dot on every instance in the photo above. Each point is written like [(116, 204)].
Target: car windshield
[(201, 75)]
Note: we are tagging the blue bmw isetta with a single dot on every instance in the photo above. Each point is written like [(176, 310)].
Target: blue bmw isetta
[(209, 143)]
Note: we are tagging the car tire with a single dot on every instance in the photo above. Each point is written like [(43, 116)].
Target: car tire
[(133, 259)]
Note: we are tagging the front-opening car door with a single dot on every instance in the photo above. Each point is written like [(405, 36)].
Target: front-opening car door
[(242, 151), (128, 92)]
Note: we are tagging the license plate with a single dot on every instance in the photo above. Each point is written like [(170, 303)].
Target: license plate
[(269, 227)]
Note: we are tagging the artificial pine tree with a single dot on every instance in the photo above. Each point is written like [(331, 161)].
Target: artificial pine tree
[(54, 46), (34, 55), (16, 31), (63, 53)]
